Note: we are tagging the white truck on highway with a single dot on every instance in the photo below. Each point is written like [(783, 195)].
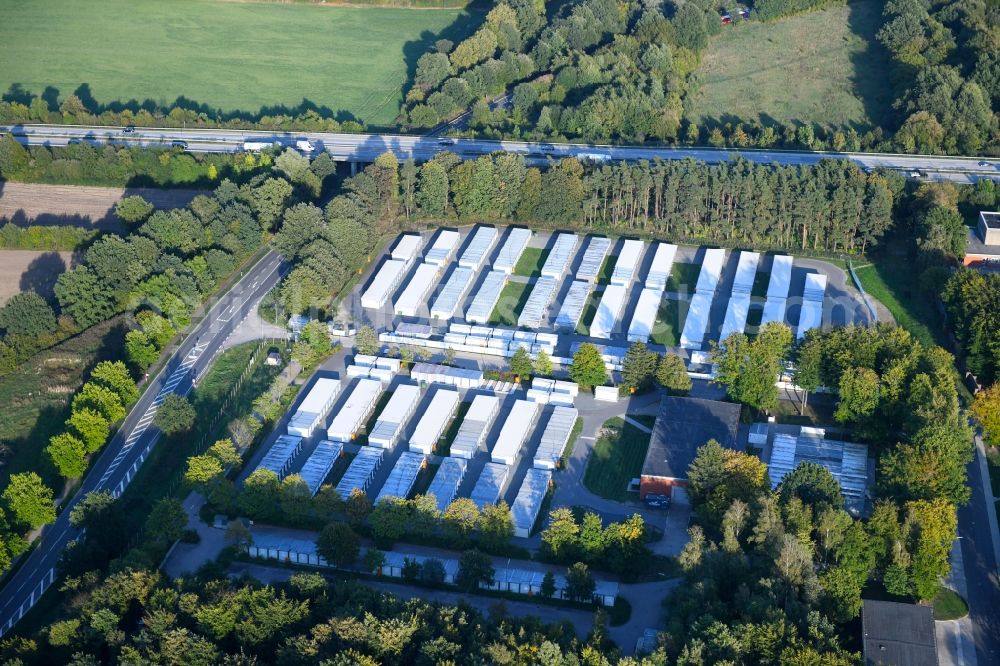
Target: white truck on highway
[(305, 146), (256, 146), (596, 158)]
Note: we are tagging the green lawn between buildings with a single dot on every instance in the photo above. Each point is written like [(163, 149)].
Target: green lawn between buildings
[(511, 302), (669, 322), (230, 56), (617, 459), (531, 262)]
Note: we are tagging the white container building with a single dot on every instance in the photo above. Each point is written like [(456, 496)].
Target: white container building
[(696, 324), (355, 411), (314, 407), (573, 305), (627, 263), (407, 247), (489, 485), (557, 263), (515, 431), (451, 295), (486, 298), (402, 476), (660, 269), (446, 481), (432, 424), (415, 294), (475, 426), (811, 313), (555, 437), (644, 315), (593, 259), (777, 289), (528, 502), (387, 429), (537, 306), (383, 284), (606, 393), (475, 252), (360, 472), (512, 249), (711, 270), (444, 246), (443, 374), (608, 311), (319, 463), (739, 302), (279, 457)]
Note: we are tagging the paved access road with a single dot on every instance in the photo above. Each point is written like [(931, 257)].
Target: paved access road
[(131, 445), (366, 147)]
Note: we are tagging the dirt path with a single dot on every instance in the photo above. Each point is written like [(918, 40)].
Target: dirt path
[(30, 203), (36, 270)]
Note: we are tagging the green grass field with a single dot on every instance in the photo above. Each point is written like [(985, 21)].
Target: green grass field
[(669, 323), (607, 270), (588, 314), (891, 283), (531, 262), (821, 67), (231, 56), (511, 302), (617, 459), (683, 277)]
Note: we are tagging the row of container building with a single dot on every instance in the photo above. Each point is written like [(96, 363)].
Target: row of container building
[(648, 307), (777, 290), (739, 300), (314, 407), (392, 271), (811, 312), (486, 340), (696, 325), (555, 391)]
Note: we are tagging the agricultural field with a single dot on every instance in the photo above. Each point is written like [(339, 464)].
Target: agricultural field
[(840, 72), (226, 56), (31, 270)]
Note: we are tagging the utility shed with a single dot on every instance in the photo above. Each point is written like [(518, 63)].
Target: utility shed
[(490, 484), (660, 269), (447, 480), (739, 302), (475, 426), (387, 429), (846, 461), (319, 463), (355, 411), (450, 296), (407, 247), (415, 294), (777, 289), (279, 457), (608, 311), (383, 284), (435, 418), (512, 249), (628, 262), (444, 246), (486, 298), (557, 263), (593, 259), (360, 472), (644, 315), (573, 304), (514, 432), (898, 634), (401, 478), (536, 308), (482, 242), (314, 407), (529, 500), (811, 312), (555, 437)]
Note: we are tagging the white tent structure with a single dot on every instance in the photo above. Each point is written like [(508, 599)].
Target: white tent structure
[(739, 301), (777, 289), (415, 293), (486, 298), (435, 417), (383, 284), (811, 313), (593, 259), (490, 484), (444, 245), (573, 304), (627, 263), (528, 502), (555, 437), (535, 311), (660, 269), (512, 249), (557, 263), (402, 476), (483, 239), (608, 311), (446, 481), (452, 293), (696, 324), (355, 410), (360, 472), (319, 463)]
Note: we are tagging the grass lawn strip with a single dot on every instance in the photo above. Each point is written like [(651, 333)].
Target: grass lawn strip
[(669, 322), (531, 262), (511, 302), (617, 458)]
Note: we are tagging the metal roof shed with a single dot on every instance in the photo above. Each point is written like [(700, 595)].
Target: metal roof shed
[(402, 476), (360, 472), (628, 262), (736, 315), (514, 432), (486, 297), (355, 411), (593, 258), (811, 312), (573, 304), (512, 249), (407, 247), (529, 499), (644, 315), (314, 407), (415, 294), (555, 437), (435, 418), (660, 269), (557, 263), (383, 284), (319, 463), (446, 481), (385, 433), (608, 311), (475, 252), (490, 484), (279, 457), (711, 270), (475, 426), (444, 245), (450, 296), (536, 307), (444, 374)]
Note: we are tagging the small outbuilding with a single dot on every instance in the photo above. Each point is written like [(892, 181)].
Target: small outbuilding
[(898, 634), (982, 249)]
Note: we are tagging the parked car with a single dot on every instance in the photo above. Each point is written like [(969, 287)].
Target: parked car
[(446, 142), (658, 501), (548, 148)]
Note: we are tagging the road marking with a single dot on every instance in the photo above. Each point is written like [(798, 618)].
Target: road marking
[(227, 316)]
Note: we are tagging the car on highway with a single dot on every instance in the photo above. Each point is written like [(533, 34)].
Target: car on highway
[(128, 129), (547, 148), (177, 143), (446, 142), (74, 141)]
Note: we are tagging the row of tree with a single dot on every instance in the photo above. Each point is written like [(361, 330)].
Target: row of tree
[(58, 237)]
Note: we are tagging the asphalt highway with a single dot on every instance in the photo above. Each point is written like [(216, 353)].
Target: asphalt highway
[(138, 434)]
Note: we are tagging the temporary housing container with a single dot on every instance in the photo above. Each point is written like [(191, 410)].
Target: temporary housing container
[(446, 481), (355, 410), (407, 247), (387, 429), (443, 374), (711, 270), (557, 263), (475, 252), (739, 302), (536, 307), (383, 284), (444, 245), (606, 393), (515, 431), (314, 407), (746, 272), (661, 267), (573, 304), (811, 312), (512, 249), (593, 259), (644, 315), (555, 437), (777, 289), (279, 457), (490, 484), (451, 295), (608, 311), (415, 294), (319, 463), (402, 476), (360, 472), (432, 424), (528, 502), (696, 324), (627, 263), (475, 426), (386, 362), (486, 298)]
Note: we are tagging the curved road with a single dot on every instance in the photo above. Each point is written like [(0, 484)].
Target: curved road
[(134, 440)]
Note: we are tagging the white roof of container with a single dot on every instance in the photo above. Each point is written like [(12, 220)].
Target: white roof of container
[(644, 315), (435, 418), (490, 484), (736, 315), (407, 247), (661, 267), (810, 317), (593, 258), (628, 262), (447, 371), (319, 463), (486, 298), (573, 304), (320, 396), (774, 310), (402, 476), (415, 330), (450, 296), (536, 307), (696, 324), (557, 262), (529, 498), (444, 245), (512, 249), (608, 311), (477, 249), (515, 430), (447, 480), (846, 461), (746, 272), (555, 437), (397, 411), (781, 277), (711, 270), (815, 287), (417, 289), (383, 284), (349, 419), (280, 454), (360, 472), (475, 425)]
